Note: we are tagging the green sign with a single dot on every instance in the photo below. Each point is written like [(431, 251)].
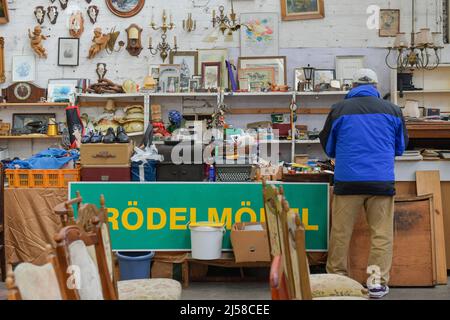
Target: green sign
[(155, 216)]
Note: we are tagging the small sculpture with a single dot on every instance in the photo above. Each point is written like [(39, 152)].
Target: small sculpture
[(39, 13), (52, 14), (93, 12), (36, 38), (76, 24), (63, 4), (100, 41)]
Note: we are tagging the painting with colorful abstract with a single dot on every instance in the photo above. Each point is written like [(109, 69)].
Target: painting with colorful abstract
[(259, 36)]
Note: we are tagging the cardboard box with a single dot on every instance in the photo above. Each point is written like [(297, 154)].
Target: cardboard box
[(250, 246), (102, 154)]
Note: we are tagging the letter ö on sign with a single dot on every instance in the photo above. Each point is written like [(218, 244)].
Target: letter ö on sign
[(132, 210)]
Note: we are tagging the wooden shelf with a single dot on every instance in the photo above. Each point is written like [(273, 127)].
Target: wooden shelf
[(429, 130), (28, 137), (39, 104), (425, 91), (303, 111)]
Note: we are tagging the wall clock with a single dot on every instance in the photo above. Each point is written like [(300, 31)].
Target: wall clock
[(125, 8)]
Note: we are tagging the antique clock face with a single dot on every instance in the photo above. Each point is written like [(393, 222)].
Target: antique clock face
[(22, 91)]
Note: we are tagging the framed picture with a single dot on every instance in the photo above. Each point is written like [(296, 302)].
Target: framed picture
[(24, 69), (188, 61), (346, 66), (166, 71), (215, 55), (257, 79), (33, 122), (260, 36), (211, 75), (4, 15), (62, 90), (69, 52), (2, 60), (276, 62), (125, 8), (154, 71), (194, 85), (324, 76), (299, 77), (302, 9), (389, 22), (173, 84)]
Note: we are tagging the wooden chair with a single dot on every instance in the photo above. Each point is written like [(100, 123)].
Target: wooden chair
[(2, 223), (143, 289), (90, 279), (31, 282), (290, 277)]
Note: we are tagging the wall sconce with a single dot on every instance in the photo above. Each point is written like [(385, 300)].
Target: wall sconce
[(163, 47), (189, 24), (165, 26), (113, 35), (224, 22), (134, 46)]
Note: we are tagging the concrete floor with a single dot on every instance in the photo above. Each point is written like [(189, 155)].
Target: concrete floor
[(260, 291)]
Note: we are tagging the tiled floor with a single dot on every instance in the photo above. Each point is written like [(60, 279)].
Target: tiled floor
[(260, 291)]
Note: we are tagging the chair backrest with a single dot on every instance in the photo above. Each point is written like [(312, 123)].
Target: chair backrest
[(32, 282), (293, 246), (272, 208), (65, 210), (90, 279), (85, 220)]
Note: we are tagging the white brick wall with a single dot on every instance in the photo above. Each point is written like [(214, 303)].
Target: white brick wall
[(343, 27)]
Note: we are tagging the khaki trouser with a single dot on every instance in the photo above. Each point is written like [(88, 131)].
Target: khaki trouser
[(380, 217)]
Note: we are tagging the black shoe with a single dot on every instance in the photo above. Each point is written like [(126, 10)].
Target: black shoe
[(121, 136), (87, 138), (97, 138), (110, 136)]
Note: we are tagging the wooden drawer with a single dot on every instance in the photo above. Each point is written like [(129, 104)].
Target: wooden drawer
[(117, 154), (116, 174)]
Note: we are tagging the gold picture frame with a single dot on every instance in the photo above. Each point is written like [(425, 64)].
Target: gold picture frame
[(4, 15), (125, 13), (389, 22), (302, 9)]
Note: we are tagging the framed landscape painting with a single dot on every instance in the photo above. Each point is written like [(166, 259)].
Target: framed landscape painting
[(125, 8), (260, 36), (302, 9)]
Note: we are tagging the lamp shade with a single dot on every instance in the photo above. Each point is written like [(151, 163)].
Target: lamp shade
[(438, 40), (308, 71), (424, 38), (133, 33), (400, 41)]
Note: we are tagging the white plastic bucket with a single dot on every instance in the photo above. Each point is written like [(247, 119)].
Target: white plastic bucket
[(206, 241)]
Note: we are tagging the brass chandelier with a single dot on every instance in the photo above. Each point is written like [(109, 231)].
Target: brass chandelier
[(422, 52)]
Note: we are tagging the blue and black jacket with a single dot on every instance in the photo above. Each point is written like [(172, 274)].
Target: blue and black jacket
[(364, 134)]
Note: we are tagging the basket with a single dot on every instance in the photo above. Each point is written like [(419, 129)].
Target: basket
[(235, 173), (19, 178)]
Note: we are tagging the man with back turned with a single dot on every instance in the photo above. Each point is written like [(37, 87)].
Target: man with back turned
[(364, 134)]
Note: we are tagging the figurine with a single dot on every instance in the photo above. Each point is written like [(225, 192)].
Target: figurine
[(100, 42), (63, 4), (92, 12), (36, 38), (52, 14), (76, 24), (39, 13)]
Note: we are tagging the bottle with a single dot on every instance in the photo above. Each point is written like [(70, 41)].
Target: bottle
[(212, 174)]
